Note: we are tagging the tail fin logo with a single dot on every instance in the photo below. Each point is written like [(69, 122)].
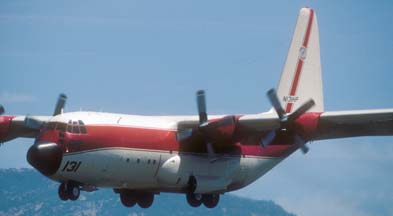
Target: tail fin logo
[(302, 53)]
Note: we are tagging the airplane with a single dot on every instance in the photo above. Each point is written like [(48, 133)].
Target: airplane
[(201, 156)]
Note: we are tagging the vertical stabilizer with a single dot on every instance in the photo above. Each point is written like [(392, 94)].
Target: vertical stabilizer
[(301, 78)]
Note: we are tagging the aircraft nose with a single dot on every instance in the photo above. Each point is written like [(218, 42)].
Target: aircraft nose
[(45, 157)]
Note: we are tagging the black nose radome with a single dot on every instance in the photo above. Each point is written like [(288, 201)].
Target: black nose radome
[(45, 157)]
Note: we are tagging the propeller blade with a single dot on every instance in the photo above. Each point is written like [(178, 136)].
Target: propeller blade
[(60, 104), (301, 110), (210, 152), (33, 123), (221, 123), (304, 149), (299, 141), (268, 138), (273, 98), (201, 102), (2, 110)]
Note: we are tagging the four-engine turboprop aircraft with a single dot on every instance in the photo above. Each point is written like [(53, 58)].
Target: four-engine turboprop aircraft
[(201, 156)]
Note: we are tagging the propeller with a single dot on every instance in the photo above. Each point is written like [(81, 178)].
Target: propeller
[(286, 120), (204, 123), (46, 157), (35, 123), (2, 110), (60, 104), (201, 103), (211, 132)]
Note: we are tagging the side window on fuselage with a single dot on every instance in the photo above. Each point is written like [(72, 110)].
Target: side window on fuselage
[(75, 127)]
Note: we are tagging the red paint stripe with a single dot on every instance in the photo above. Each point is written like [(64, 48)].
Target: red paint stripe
[(296, 78), (308, 124), (114, 136), (5, 123), (310, 19), (103, 137), (299, 65), (288, 108)]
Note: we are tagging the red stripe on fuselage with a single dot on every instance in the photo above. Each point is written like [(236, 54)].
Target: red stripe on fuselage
[(114, 136), (99, 137), (299, 65)]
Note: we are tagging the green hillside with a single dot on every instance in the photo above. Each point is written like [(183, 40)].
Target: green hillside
[(26, 192)]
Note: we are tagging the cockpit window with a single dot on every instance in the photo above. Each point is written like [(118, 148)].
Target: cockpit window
[(82, 127), (75, 127)]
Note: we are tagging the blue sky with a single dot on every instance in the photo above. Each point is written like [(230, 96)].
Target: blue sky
[(145, 57)]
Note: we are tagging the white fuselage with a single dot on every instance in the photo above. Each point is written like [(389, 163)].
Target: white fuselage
[(151, 169), (160, 171)]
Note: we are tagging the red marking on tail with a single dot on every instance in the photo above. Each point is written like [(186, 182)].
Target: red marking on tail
[(299, 65)]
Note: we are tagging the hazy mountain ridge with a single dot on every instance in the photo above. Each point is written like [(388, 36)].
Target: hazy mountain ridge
[(26, 192)]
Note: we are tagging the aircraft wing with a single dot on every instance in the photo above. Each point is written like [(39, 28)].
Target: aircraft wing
[(343, 124), (329, 125), (255, 122), (260, 122), (12, 127)]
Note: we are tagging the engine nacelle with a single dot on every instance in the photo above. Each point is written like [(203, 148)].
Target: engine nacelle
[(221, 130), (46, 157)]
